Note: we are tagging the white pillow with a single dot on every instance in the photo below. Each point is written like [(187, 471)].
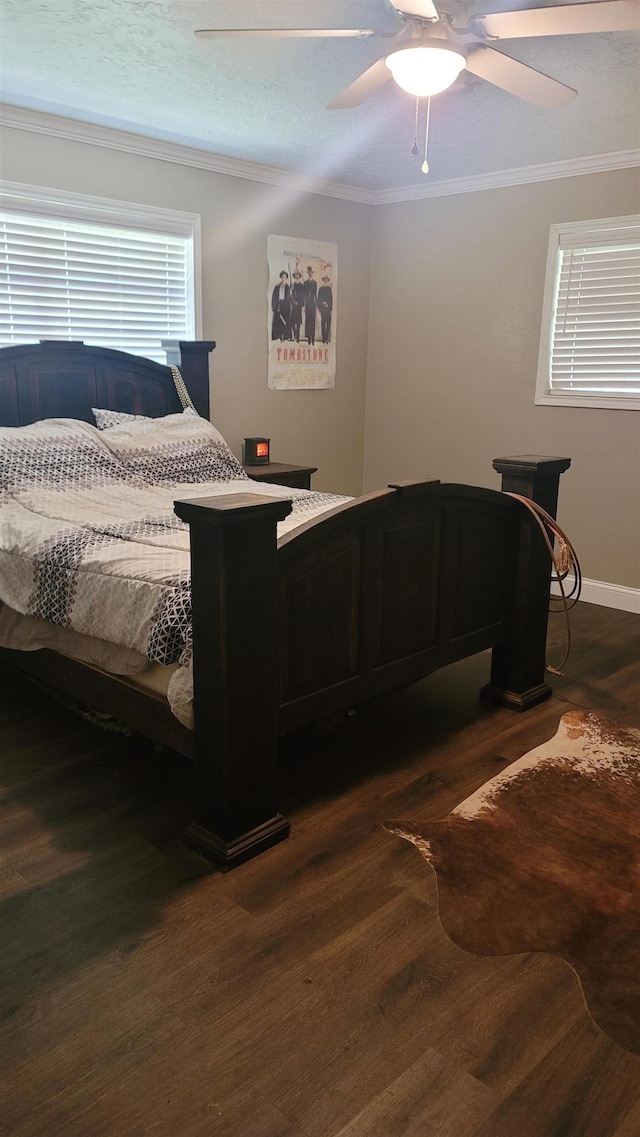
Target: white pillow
[(175, 449), (106, 419)]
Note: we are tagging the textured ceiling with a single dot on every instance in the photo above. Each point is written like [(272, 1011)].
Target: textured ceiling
[(136, 65)]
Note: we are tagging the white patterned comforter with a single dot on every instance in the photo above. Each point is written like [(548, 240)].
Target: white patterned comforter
[(89, 539)]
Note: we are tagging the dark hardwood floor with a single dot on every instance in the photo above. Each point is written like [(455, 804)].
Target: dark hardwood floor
[(312, 992)]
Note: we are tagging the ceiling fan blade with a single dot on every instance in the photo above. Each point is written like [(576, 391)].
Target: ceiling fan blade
[(569, 19), (518, 78), (371, 80), (272, 33), (425, 9)]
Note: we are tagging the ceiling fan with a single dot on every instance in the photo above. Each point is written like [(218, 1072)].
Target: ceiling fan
[(429, 51)]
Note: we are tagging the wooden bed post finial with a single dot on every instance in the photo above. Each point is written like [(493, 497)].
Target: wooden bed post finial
[(533, 476)]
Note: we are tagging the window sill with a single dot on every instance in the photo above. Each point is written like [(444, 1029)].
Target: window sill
[(596, 402)]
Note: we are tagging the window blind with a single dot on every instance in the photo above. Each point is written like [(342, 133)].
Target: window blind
[(107, 285), (595, 327)]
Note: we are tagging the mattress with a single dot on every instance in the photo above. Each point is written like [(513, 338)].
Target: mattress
[(28, 633)]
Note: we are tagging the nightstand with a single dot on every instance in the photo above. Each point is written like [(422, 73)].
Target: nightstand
[(297, 477)]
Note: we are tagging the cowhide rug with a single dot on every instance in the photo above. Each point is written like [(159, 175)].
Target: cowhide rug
[(546, 857)]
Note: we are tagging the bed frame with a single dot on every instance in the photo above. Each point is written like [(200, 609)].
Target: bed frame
[(373, 595)]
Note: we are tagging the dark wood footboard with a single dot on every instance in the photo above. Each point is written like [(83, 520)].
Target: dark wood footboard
[(373, 595)]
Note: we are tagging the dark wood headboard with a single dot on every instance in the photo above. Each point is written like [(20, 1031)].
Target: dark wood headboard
[(65, 379)]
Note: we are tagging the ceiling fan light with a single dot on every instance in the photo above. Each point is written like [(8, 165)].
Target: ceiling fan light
[(426, 70)]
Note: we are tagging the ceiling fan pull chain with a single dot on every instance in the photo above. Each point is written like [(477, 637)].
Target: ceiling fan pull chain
[(425, 164), (414, 148)]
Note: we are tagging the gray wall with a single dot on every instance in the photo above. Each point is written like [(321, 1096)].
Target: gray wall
[(456, 299), (444, 294), (317, 428)]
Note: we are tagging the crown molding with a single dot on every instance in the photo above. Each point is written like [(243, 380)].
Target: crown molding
[(21, 118), (521, 175), (38, 122)]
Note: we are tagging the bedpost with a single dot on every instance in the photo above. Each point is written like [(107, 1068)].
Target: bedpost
[(192, 357), (235, 666), (518, 666)]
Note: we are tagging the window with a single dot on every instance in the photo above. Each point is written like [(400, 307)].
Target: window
[(110, 273), (590, 341)]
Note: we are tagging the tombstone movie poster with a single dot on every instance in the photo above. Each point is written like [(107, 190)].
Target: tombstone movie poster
[(302, 295)]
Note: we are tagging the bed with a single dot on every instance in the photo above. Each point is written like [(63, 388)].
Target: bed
[(289, 627)]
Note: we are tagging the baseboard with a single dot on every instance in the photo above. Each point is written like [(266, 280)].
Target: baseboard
[(606, 595)]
